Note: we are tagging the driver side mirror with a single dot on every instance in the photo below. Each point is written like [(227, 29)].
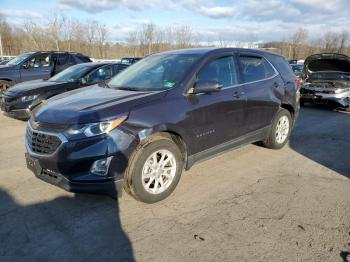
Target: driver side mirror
[(205, 86)]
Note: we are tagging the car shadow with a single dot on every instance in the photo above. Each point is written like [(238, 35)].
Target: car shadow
[(323, 136), (78, 228)]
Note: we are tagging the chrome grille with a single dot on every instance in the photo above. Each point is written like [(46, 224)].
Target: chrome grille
[(42, 143)]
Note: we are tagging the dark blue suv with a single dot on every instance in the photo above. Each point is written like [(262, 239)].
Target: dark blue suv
[(160, 116), (37, 65)]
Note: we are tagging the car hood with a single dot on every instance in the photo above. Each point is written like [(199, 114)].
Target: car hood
[(326, 62), (36, 87), (91, 104), (6, 68)]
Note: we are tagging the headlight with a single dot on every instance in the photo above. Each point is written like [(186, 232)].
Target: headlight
[(94, 129), (28, 98), (341, 90)]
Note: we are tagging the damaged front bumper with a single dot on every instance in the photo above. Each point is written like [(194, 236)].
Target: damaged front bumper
[(334, 97)]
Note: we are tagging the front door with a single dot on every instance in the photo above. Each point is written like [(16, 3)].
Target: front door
[(217, 117), (36, 67)]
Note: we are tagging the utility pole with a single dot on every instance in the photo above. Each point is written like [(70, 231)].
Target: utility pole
[(1, 51)]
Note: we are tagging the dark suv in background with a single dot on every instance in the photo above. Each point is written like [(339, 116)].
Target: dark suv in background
[(21, 99), (37, 65), (160, 116)]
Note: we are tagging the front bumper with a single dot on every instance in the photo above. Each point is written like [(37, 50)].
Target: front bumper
[(69, 166), (340, 100), (107, 186), (19, 110)]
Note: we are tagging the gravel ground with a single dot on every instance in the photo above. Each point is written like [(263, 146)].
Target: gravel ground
[(249, 204)]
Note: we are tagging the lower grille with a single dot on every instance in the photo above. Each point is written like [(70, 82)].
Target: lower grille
[(49, 174), (42, 143)]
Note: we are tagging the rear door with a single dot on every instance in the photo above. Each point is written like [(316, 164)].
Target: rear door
[(263, 88), (217, 117), (61, 61), (38, 66)]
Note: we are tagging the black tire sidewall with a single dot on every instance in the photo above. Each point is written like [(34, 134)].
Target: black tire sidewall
[(271, 141), (135, 173)]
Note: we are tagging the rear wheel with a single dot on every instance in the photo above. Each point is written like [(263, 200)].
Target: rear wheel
[(154, 170), (280, 130)]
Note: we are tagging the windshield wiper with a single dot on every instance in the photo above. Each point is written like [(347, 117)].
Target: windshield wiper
[(127, 88)]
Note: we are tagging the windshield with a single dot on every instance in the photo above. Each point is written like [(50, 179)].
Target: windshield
[(156, 72), (19, 59), (71, 74)]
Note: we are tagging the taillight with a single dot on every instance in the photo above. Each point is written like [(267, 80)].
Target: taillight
[(298, 82)]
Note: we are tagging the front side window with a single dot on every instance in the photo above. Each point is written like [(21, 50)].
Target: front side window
[(99, 75), (154, 73), (255, 68), (42, 60), (222, 70)]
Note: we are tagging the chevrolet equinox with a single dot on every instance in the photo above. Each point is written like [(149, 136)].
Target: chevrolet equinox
[(159, 117)]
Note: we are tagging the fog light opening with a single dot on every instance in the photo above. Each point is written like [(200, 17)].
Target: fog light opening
[(100, 167)]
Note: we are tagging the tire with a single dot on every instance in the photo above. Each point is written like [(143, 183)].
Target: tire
[(143, 177), (277, 141), (4, 85)]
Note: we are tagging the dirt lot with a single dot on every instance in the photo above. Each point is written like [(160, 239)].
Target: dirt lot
[(251, 204)]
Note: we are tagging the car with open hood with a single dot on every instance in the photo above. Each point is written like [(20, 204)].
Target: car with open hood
[(37, 65), (160, 116), (21, 99), (327, 80)]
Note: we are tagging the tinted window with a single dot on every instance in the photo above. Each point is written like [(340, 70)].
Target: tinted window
[(71, 74), (222, 70), (255, 68), (99, 75), (83, 59), (119, 67), (63, 59), (42, 60)]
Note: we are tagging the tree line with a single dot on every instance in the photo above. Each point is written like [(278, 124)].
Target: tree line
[(58, 32)]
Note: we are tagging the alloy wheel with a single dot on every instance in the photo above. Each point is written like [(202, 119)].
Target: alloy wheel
[(159, 171)]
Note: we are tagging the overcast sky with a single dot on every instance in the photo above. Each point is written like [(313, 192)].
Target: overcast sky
[(233, 20)]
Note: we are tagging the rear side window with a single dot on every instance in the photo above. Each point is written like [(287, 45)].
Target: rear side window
[(222, 70), (83, 59), (255, 68), (63, 59)]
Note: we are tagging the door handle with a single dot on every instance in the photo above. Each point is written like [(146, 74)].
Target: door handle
[(46, 70), (238, 94)]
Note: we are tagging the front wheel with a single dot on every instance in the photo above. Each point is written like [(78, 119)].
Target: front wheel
[(280, 130), (4, 85), (154, 170)]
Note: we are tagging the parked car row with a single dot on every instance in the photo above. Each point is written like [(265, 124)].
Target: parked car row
[(159, 116), (37, 65)]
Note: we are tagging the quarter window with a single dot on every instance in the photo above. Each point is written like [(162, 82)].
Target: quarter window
[(255, 68), (222, 70)]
